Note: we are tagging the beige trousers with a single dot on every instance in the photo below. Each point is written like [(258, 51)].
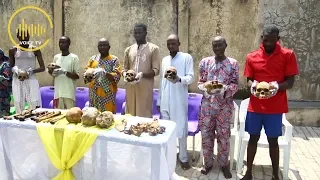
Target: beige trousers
[(139, 98), (65, 103)]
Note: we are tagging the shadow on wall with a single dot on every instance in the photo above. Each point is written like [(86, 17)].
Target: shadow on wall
[(242, 93)]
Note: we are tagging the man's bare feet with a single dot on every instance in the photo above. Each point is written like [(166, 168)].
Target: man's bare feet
[(226, 172), (247, 177), (205, 170)]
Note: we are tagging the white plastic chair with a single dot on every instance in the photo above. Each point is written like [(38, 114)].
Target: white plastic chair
[(234, 133), (284, 141)]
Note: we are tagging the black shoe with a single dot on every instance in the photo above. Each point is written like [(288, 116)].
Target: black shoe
[(247, 177), (205, 170), (226, 172), (185, 165)]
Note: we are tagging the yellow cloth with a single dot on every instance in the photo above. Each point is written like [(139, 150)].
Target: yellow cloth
[(66, 143)]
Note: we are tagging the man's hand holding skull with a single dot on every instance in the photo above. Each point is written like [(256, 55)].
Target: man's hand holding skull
[(253, 88), (21, 74), (58, 72), (171, 75), (30, 72), (98, 72), (265, 91), (139, 77), (132, 77), (212, 88), (274, 87), (15, 70)]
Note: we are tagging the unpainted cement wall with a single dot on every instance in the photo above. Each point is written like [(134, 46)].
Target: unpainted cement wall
[(240, 21)]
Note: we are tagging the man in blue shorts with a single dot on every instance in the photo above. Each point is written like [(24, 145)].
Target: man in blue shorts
[(277, 66)]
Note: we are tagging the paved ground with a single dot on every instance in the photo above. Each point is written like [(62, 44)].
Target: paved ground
[(304, 161)]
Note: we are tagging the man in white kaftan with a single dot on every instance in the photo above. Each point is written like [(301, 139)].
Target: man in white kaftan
[(173, 93)]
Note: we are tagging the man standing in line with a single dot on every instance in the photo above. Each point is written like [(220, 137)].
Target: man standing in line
[(107, 73), (65, 77), (277, 66), (217, 107), (5, 85), (173, 93), (21, 60), (142, 57)]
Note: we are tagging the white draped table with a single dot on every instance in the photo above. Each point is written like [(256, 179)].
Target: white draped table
[(113, 156)]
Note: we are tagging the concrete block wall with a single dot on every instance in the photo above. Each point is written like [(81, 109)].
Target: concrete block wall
[(196, 22)]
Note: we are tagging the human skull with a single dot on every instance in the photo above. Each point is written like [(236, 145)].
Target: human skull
[(154, 128), (121, 126), (105, 119), (212, 85), (171, 73), (130, 76), (89, 116), (88, 77), (135, 130), (217, 85), (22, 75), (263, 90), (52, 66)]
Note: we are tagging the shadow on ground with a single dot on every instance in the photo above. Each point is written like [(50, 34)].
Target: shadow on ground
[(260, 172)]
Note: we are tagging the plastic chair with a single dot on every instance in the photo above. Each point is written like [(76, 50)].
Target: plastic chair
[(194, 102), (12, 108), (284, 141), (155, 112), (120, 99), (87, 104), (82, 96), (123, 110), (234, 134), (51, 105), (47, 94)]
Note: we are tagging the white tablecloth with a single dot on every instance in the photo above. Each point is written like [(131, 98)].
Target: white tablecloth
[(114, 155)]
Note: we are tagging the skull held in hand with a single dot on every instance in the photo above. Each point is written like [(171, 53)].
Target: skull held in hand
[(217, 85), (53, 66), (105, 119), (263, 90), (130, 76), (22, 75), (171, 73), (212, 85), (89, 75)]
